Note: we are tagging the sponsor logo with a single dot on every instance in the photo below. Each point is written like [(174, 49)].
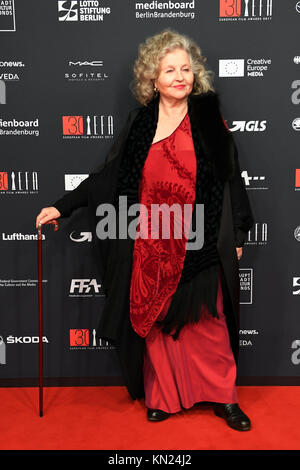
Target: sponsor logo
[(295, 357), (81, 11), (83, 339), (20, 282), (253, 182), (244, 10), (297, 233), (84, 71), (72, 181), (169, 9), (25, 339), (248, 126), (241, 67), (83, 237), (18, 236), (2, 92), (297, 179), (7, 15), (18, 182), (88, 127), (16, 127), (296, 285), (258, 234), (2, 351), (246, 285), (296, 124), (245, 342), (85, 288)]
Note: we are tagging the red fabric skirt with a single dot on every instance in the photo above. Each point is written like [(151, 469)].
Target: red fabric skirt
[(199, 366)]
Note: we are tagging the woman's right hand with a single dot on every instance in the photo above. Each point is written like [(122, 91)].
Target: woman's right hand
[(47, 215)]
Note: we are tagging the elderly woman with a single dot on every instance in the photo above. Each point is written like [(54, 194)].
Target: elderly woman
[(171, 308)]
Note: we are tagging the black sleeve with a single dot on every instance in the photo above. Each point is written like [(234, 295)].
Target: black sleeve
[(241, 210), (74, 199)]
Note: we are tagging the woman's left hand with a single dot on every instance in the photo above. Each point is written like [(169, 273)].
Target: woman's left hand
[(239, 252)]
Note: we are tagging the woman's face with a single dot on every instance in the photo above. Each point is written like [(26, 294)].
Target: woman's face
[(175, 76)]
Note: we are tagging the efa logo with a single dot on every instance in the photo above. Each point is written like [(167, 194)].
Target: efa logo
[(79, 338), (297, 178), (72, 125), (84, 286)]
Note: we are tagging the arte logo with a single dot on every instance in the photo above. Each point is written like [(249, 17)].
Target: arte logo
[(253, 182), (7, 15), (18, 182), (81, 10), (88, 127), (245, 10), (297, 179)]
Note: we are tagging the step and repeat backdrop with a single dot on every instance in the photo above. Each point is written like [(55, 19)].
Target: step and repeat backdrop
[(65, 70)]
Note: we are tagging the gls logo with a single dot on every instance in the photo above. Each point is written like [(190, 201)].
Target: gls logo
[(84, 286), (248, 126)]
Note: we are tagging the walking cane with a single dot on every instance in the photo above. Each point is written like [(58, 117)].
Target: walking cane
[(40, 294)]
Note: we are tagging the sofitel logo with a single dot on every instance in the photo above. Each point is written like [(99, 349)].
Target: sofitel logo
[(88, 127), (19, 182), (245, 10), (86, 71)]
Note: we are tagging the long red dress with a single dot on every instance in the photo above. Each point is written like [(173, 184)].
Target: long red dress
[(199, 365)]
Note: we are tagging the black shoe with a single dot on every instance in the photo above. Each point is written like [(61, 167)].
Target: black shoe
[(157, 415), (234, 416)]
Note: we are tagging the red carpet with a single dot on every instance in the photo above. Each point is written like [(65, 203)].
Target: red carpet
[(95, 418)]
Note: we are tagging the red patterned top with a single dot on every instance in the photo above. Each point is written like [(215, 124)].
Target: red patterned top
[(168, 176)]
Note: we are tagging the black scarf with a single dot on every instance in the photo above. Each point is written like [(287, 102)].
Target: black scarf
[(198, 284)]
